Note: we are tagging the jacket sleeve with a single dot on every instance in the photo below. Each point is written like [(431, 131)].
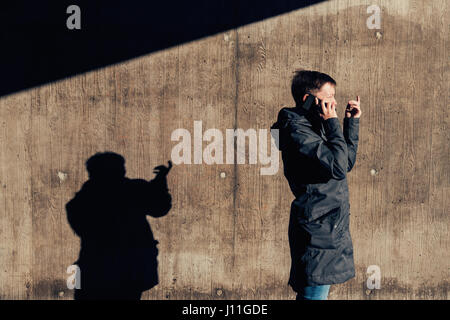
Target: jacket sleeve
[(332, 154), (351, 135)]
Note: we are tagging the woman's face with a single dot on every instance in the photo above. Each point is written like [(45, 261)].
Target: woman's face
[(326, 93)]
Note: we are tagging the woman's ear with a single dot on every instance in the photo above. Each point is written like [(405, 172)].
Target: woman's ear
[(305, 96)]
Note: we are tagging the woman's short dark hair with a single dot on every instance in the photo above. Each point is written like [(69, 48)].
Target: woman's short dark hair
[(306, 81)]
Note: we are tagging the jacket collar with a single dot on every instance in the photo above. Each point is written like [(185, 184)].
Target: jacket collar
[(314, 118)]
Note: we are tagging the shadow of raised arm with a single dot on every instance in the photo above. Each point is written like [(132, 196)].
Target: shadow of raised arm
[(155, 195)]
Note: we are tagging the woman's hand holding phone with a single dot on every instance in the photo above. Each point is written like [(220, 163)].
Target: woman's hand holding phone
[(353, 109), (328, 109)]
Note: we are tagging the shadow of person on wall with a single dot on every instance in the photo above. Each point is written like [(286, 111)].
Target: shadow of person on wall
[(118, 255)]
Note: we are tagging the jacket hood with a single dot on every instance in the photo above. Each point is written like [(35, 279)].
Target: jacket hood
[(284, 116)]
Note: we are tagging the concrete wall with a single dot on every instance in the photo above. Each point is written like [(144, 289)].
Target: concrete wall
[(226, 235)]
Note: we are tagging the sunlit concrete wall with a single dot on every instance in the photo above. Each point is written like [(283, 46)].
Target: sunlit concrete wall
[(226, 235)]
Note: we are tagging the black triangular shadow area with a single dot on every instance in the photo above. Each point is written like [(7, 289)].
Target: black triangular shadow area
[(37, 47)]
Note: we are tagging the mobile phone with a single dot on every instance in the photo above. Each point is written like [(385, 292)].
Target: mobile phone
[(310, 102)]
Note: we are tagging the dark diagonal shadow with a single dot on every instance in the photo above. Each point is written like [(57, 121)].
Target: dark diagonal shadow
[(37, 47), (118, 255)]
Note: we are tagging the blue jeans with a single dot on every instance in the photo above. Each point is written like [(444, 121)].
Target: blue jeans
[(313, 293)]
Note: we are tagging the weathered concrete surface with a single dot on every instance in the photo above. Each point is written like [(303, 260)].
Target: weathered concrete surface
[(226, 237)]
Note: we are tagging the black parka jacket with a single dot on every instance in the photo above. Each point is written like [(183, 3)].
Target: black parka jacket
[(317, 156)]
